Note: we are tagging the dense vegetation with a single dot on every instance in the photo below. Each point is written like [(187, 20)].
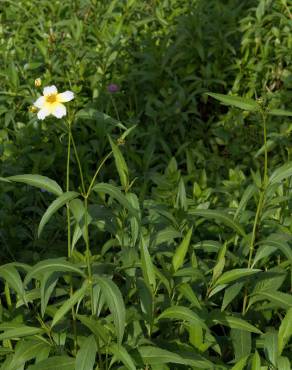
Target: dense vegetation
[(151, 227)]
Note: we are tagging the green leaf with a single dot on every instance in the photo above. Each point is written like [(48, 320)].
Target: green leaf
[(21, 331), (146, 299), (240, 364), (93, 114), (285, 331), (115, 302), (52, 265), (236, 274), (281, 173), (85, 358), (116, 193), (25, 350), (218, 216), (48, 284), (189, 294), (11, 275), (241, 340), (236, 101), (120, 164), (95, 326), (54, 206), (256, 361), (281, 300), (247, 195), (182, 313), (232, 322), (78, 210), (181, 251), (157, 356), (271, 347), (279, 112), (220, 263), (55, 363), (147, 265), (78, 295), (230, 293), (38, 181), (122, 355), (284, 363)]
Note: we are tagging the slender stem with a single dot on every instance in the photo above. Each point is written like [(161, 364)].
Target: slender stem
[(255, 225), (266, 151), (260, 205), (97, 172), (262, 192), (67, 189), (78, 162), (69, 229), (88, 253), (115, 107)]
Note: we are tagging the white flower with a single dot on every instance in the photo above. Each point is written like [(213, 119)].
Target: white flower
[(51, 102)]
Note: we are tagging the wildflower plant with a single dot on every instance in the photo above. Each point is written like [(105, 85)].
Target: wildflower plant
[(166, 252)]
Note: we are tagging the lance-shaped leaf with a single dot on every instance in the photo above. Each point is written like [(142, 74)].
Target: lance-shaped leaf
[(54, 206), (52, 265), (21, 331), (26, 350), (285, 331), (115, 302), (11, 275), (218, 216), (85, 358), (147, 265), (233, 322), (55, 363), (95, 327), (184, 314), (236, 274), (121, 354), (236, 101), (78, 295), (41, 182), (181, 251), (281, 173), (120, 164), (279, 112), (115, 193)]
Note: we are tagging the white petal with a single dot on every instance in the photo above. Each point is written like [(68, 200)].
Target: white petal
[(59, 110), (65, 96), (39, 102), (43, 113), (50, 90)]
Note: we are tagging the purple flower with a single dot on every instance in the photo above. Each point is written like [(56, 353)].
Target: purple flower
[(113, 88)]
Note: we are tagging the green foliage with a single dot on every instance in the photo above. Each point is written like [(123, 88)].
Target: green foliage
[(164, 240)]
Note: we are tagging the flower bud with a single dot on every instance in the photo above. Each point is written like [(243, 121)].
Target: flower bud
[(37, 82), (113, 88), (32, 109)]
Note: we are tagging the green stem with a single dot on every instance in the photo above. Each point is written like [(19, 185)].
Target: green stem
[(266, 150), (262, 193), (67, 189), (88, 253), (97, 172), (78, 162), (260, 205), (115, 107), (69, 229)]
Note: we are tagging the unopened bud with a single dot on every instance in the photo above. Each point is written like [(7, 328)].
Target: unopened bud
[(32, 109), (38, 82)]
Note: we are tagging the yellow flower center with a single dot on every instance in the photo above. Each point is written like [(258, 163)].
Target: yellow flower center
[(52, 98)]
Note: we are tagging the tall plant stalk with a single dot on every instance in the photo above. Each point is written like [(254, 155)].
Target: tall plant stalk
[(69, 228), (261, 202)]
